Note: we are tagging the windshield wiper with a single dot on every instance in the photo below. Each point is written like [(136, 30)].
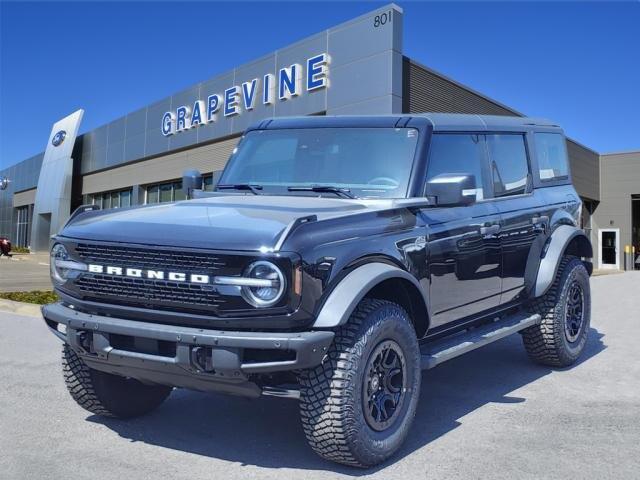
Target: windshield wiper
[(241, 186), (341, 192)]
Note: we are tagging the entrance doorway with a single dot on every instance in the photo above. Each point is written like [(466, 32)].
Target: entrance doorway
[(608, 256), (23, 225)]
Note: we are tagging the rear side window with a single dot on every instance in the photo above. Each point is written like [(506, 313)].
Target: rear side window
[(457, 153), (551, 153), (509, 164)]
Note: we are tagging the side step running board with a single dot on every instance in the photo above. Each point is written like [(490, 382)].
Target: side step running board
[(450, 347)]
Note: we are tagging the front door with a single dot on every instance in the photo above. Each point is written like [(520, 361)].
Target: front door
[(608, 257), (464, 258), (464, 261)]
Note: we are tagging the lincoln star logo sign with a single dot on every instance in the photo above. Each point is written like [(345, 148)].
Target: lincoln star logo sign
[(58, 138), (4, 183), (285, 84)]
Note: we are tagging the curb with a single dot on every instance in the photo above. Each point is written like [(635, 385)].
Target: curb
[(28, 309)]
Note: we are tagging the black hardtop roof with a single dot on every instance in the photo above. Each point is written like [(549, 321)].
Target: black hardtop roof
[(439, 121)]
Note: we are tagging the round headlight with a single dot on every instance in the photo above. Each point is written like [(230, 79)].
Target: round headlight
[(269, 285), (58, 255)]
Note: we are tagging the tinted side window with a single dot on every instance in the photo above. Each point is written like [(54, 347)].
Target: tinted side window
[(509, 165), (457, 153), (551, 153)]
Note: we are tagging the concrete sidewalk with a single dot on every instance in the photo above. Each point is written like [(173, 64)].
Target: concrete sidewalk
[(28, 309)]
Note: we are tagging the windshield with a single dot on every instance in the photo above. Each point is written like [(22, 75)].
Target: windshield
[(364, 162)]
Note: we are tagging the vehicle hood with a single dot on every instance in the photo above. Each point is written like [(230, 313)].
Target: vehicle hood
[(228, 222)]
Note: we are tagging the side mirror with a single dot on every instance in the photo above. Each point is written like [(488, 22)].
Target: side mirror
[(452, 189), (191, 180)]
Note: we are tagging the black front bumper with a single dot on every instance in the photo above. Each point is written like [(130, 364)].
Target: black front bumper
[(195, 358)]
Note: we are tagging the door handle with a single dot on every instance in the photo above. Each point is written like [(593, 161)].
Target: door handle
[(540, 223), (487, 230)]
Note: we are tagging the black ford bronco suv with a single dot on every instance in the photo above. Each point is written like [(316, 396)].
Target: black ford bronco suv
[(335, 259)]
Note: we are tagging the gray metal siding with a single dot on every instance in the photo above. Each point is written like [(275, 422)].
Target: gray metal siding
[(619, 180), (23, 176), (585, 170), (428, 91), (206, 158)]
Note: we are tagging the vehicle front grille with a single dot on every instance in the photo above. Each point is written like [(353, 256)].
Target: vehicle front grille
[(162, 294), (144, 258)]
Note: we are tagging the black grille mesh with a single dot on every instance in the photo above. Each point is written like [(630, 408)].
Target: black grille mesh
[(153, 259), (149, 291)]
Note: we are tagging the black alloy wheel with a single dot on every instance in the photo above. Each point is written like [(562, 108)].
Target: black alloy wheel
[(384, 385), (574, 316)]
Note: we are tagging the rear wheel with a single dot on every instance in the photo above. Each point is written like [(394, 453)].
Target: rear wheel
[(358, 405), (108, 395), (565, 309)]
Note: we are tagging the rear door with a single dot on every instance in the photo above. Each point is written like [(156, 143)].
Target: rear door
[(524, 216), (464, 258)]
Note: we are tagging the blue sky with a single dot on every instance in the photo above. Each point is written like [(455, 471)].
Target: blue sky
[(576, 63)]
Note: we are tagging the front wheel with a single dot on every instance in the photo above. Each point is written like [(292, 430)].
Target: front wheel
[(358, 405), (565, 309), (108, 395)]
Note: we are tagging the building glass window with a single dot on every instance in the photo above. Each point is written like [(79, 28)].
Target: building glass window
[(207, 183), (509, 165), (551, 153), (95, 200), (210, 180), (114, 199), (152, 194), (125, 198), (165, 192), (178, 193)]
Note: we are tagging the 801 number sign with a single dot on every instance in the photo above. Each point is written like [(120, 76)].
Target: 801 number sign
[(382, 19)]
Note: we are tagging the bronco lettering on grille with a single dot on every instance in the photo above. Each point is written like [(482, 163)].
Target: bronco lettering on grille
[(149, 274)]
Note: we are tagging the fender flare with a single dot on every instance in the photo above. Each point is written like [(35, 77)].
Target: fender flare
[(557, 246), (343, 300)]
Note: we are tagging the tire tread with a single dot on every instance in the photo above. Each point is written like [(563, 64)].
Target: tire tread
[(106, 394), (544, 343), (77, 377), (326, 406)]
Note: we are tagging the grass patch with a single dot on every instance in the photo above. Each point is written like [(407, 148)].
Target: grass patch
[(39, 297), (20, 250)]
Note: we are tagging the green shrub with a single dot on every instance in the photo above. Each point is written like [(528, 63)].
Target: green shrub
[(39, 297), (20, 250)]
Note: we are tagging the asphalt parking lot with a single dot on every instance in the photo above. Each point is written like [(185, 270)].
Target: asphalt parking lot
[(24, 272), (489, 414)]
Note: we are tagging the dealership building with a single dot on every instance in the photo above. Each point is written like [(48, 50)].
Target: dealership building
[(357, 67)]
